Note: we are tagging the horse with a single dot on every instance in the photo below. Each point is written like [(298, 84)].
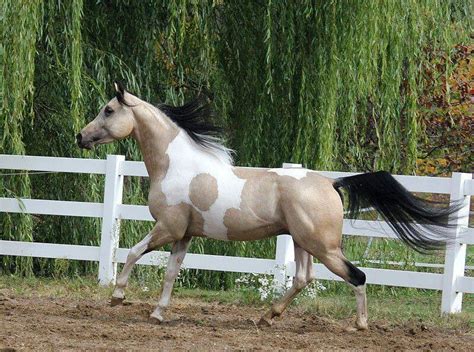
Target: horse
[(195, 190)]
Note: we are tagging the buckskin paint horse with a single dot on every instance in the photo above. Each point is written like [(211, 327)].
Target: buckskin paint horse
[(196, 191)]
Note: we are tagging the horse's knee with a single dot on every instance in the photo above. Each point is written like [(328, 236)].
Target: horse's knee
[(132, 254), (135, 252)]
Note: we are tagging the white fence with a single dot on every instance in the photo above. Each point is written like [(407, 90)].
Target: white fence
[(452, 282)]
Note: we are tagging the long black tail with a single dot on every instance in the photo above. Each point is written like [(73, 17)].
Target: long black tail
[(400, 209)]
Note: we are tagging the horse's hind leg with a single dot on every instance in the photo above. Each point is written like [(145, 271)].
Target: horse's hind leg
[(303, 276), (316, 225), (172, 270), (339, 265), (154, 239)]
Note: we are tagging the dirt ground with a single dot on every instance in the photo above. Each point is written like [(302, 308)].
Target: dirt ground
[(43, 324)]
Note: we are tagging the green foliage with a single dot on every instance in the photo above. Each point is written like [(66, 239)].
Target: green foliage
[(331, 84), (18, 61)]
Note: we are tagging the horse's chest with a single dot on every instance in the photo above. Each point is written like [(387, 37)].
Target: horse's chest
[(212, 192)]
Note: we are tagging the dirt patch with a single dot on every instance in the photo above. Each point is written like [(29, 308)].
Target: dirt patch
[(42, 324)]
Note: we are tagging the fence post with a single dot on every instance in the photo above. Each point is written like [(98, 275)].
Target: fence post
[(455, 258), (285, 254), (109, 239)]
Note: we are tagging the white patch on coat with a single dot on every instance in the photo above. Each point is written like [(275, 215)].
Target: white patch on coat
[(214, 144), (295, 173), (187, 160)]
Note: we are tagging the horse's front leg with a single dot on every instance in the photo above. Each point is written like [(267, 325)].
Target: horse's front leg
[(178, 253), (156, 238)]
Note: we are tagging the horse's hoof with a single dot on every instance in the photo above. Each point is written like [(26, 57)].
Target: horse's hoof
[(116, 301), (358, 327), (156, 319), (264, 322)]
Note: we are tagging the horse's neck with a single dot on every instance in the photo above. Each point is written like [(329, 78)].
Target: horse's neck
[(153, 133), (167, 148)]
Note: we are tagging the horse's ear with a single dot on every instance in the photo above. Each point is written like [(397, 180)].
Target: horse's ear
[(119, 88), (119, 91)]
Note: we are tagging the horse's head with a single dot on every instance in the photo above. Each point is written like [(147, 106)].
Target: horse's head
[(115, 121)]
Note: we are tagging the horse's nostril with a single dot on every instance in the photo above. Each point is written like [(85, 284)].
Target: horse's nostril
[(79, 138)]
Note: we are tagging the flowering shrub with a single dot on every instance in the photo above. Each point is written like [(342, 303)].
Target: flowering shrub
[(267, 289)]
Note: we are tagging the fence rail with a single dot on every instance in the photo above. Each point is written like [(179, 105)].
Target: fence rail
[(452, 282)]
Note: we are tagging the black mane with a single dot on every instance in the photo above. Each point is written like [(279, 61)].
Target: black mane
[(195, 118)]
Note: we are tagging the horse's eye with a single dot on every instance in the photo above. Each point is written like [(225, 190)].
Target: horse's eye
[(108, 110)]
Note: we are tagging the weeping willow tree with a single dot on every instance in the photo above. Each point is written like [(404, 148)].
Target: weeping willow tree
[(339, 79), (18, 56), (330, 84)]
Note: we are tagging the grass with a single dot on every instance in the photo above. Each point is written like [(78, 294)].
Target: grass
[(390, 305)]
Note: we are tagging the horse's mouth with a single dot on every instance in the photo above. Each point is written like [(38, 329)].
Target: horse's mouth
[(87, 144)]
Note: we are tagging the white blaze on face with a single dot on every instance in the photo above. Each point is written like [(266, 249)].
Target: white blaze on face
[(187, 160), (295, 173)]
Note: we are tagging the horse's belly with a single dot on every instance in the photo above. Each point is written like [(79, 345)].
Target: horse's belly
[(240, 228), (242, 223), (215, 218)]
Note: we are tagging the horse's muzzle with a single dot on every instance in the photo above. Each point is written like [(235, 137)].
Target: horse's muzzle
[(80, 142)]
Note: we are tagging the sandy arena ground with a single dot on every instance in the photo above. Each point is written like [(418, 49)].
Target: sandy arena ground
[(44, 324)]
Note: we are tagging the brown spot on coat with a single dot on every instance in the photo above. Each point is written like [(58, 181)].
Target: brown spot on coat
[(259, 214), (196, 224), (203, 191)]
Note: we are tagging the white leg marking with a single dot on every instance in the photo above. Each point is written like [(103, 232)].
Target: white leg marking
[(361, 300), (133, 256), (172, 270)]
